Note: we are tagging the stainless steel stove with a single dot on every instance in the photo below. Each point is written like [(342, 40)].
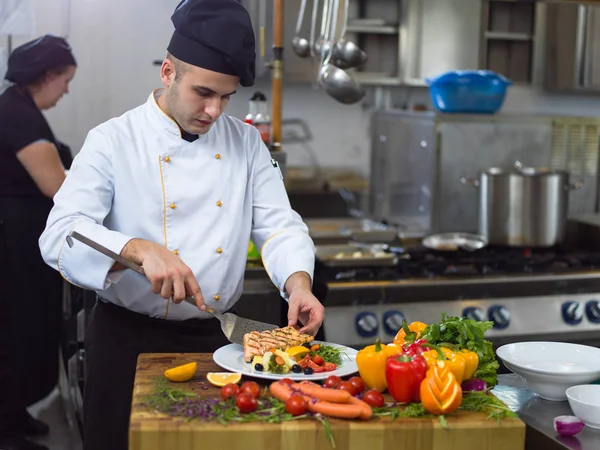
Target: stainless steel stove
[(529, 294)]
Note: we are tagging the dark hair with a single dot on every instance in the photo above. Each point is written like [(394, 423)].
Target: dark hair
[(54, 71)]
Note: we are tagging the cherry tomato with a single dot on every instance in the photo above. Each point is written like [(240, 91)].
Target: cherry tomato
[(246, 403), (358, 383), (296, 405), (287, 381), (250, 387), (373, 398), (229, 390), (346, 386), (317, 359), (332, 381)]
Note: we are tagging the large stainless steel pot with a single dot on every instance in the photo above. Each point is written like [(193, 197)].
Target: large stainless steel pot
[(525, 207)]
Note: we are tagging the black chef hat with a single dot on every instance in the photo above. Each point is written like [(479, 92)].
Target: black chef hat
[(30, 61), (216, 35)]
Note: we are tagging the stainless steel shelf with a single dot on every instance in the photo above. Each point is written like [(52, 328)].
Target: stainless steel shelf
[(508, 36), (372, 29), (376, 79)]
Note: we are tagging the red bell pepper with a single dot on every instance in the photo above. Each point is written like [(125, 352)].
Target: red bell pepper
[(404, 375), (416, 348)]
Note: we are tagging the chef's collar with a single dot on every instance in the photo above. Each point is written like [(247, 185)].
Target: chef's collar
[(170, 125)]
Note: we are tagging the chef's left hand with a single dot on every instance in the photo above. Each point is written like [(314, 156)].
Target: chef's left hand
[(303, 306)]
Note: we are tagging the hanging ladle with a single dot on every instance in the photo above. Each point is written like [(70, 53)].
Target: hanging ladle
[(347, 54), (321, 46), (300, 45), (337, 83)]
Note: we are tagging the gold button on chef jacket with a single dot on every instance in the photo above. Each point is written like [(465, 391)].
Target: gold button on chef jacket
[(125, 183)]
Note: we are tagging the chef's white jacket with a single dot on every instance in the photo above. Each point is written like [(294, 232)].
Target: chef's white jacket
[(135, 177)]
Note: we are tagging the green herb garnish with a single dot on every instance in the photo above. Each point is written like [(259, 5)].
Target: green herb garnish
[(329, 354), (487, 403), (469, 334), (473, 402)]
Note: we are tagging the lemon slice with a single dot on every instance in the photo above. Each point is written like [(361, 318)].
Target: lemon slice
[(220, 379), (296, 351), (181, 373)]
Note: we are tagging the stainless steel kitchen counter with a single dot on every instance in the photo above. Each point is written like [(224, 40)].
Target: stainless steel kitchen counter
[(538, 415)]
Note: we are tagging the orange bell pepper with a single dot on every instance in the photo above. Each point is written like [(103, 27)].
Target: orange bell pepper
[(440, 392), (409, 333)]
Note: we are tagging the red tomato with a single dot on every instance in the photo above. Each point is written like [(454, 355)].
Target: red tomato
[(229, 390), (287, 381), (346, 386), (296, 405), (317, 359), (250, 387), (373, 398), (332, 381), (246, 403), (358, 383)]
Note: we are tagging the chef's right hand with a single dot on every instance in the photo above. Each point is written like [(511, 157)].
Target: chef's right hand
[(169, 275)]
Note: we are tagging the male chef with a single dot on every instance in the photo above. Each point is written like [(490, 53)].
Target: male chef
[(180, 188)]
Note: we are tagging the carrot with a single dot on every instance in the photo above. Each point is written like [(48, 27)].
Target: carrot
[(340, 410), (281, 391), (365, 410), (322, 393)]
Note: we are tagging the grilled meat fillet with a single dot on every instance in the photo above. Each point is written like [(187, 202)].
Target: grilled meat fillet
[(256, 344)]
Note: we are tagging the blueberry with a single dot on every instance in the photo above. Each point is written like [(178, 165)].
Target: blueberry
[(308, 371), (296, 368), (259, 367)]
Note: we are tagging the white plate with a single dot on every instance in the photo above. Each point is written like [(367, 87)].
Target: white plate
[(231, 357)]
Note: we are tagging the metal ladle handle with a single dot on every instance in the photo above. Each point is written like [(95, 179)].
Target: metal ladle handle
[(345, 22), (313, 27), (300, 17), (332, 27)]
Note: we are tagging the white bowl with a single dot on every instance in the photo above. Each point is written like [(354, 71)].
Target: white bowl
[(550, 368), (584, 400)]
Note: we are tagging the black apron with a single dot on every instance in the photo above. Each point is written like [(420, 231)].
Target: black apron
[(30, 290)]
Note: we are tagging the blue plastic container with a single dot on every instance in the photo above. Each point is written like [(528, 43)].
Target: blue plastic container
[(468, 91)]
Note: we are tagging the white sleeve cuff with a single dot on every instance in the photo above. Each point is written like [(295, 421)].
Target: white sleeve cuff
[(87, 267)]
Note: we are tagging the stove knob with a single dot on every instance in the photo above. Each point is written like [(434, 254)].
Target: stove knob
[(366, 324), (592, 311), (572, 312), (392, 322), (473, 313), (500, 316)]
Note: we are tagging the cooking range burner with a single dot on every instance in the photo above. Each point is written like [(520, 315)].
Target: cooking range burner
[(488, 261)]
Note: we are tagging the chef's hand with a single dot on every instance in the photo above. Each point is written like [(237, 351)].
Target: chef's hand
[(303, 306), (169, 275)]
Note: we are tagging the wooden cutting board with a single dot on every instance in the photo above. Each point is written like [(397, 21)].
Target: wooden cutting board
[(154, 431)]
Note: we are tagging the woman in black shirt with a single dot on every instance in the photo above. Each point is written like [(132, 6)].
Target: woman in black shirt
[(32, 169)]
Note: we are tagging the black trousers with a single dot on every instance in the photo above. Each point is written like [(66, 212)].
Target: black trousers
[(30, 311), (114, 338)]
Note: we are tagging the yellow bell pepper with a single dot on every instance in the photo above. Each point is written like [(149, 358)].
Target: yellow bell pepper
[(455, 361), (472, 362), (371, 364)]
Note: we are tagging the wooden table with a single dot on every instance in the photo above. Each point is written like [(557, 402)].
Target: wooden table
[(150, 430)]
